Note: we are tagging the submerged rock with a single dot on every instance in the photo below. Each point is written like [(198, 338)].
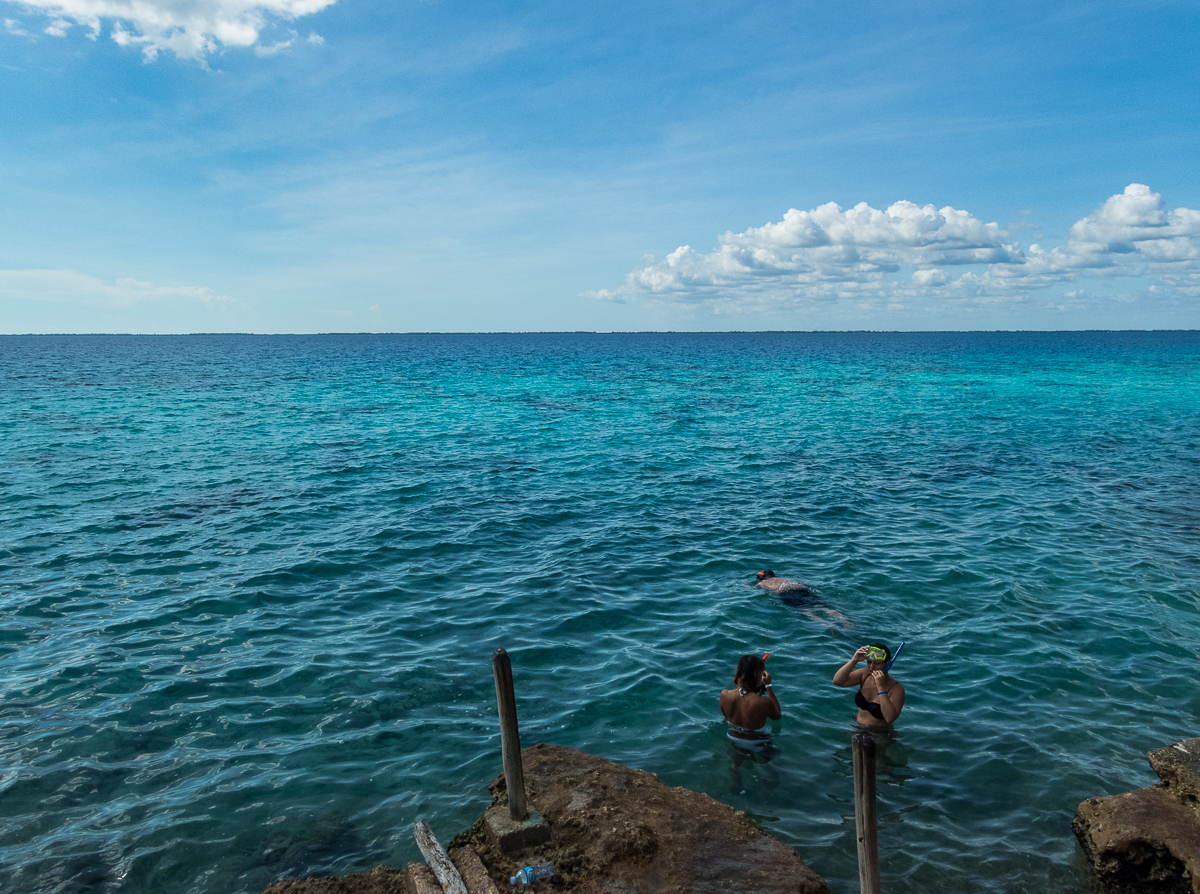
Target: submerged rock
[(1148, 841)]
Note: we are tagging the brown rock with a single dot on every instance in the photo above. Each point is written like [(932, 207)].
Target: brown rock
[(622, 830), (380, 880), (1144, 842), (473, 873), (614, 831), (421, 880), (1178, 765)]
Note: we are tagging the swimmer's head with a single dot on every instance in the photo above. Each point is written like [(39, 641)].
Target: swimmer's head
[(764, 575), (878, 652), (749, 671)]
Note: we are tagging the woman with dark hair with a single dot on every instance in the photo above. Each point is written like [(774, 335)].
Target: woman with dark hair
[(749, 705), (880, 699)]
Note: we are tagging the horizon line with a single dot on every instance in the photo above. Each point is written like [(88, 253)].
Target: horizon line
[(581, 332)]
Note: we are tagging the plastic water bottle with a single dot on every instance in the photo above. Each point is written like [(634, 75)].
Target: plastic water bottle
[(532, 874)]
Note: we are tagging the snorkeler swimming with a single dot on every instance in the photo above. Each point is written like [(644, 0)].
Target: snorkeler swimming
[(793, 591), (795, 594)]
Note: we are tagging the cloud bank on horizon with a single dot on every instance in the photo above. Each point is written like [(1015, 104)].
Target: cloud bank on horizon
[(906, 253), (53, 285), (191, 29)]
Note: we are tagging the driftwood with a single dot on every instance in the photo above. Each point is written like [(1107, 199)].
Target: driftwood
[(438, 859)]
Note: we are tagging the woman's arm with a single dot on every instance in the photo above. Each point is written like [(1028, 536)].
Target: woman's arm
[(773, 709), (891, 703), (727, 699), (846, 674)]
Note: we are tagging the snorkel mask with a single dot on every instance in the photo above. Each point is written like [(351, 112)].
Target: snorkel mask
[(874, 653)]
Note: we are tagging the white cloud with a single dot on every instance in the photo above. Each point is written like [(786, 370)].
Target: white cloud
[(830, 247), (12, 26), (191, 29), (604, 295), (68, 286), (273, 49), (931, 277), (864, 254), (1134, 224), (316, 39)]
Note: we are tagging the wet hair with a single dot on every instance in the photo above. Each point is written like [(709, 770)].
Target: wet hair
[(749, 670), (763, 575), (886, 650)]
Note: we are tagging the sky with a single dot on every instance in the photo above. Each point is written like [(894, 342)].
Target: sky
[(175, 166)]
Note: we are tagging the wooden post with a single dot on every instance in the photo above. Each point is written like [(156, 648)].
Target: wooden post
[(864, 812), (510, 736), (438, 859)]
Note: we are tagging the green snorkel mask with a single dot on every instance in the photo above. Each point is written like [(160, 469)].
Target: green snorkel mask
[(874, 653)]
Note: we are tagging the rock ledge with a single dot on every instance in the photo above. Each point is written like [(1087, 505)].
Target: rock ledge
[(1148, 841), (614, 831)]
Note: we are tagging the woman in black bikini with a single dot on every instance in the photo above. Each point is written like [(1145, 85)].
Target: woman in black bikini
[(880, 699)]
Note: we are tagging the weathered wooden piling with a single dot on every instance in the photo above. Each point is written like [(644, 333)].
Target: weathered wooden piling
[(510, 735), (518, 827), (864, 812)]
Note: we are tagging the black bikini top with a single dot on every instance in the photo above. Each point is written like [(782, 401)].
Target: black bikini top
[(870, 707)]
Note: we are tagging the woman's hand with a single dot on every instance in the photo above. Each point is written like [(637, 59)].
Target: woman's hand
[(846, 675), (765, 679), (891, 703)]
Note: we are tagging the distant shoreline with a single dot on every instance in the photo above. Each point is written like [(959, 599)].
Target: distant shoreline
[(596, 332)]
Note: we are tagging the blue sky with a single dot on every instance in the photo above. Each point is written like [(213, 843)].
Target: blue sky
[(354, 165)]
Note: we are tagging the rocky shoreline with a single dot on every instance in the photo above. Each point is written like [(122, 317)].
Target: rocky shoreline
[(613, 829), (1148, 841)]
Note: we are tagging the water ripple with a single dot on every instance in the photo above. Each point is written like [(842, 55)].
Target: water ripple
[(252, 587)]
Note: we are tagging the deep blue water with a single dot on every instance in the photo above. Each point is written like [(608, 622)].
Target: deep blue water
[(250, 587)]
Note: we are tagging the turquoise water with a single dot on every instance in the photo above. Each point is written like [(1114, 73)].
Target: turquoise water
[(250, 587)]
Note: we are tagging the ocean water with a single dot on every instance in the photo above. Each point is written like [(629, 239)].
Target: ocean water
[(250, 588)]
